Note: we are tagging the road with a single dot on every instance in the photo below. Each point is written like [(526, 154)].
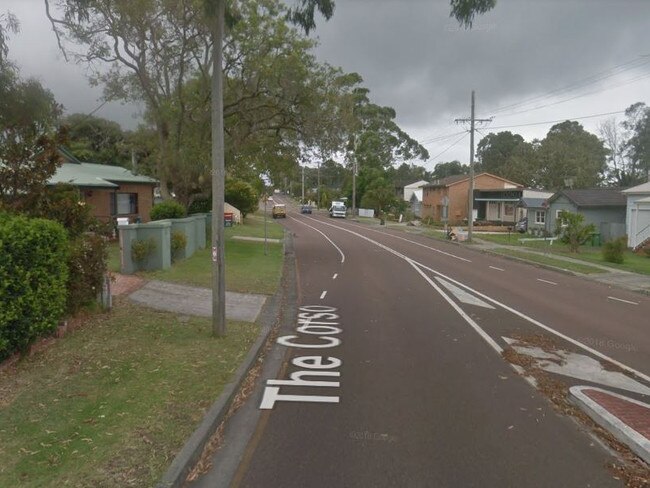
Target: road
[(392, 375)]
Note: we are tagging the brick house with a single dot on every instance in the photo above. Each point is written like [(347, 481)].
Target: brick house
[(495, 198), (111, 191)]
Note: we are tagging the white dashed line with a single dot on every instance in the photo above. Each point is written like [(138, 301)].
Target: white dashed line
[(498, 269), (335, 275), (621, 300), (546, 281), (322, 295)]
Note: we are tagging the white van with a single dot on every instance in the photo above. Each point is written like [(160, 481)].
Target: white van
[(338, 209)]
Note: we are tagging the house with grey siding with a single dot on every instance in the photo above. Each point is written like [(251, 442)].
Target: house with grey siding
[(638, 214), (603, 207)]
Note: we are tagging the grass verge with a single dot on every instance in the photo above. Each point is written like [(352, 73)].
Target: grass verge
[(112, 403), (548, 260)]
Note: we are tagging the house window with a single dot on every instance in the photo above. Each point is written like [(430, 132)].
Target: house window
[(540, 217), (124, 203), (509, 209)]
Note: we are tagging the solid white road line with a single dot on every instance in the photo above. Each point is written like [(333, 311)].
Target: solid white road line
[(498, 269), (321, 233), (621, 300), (460, 311), (335, 276), (500, 304), (546, 281), (414, 242), (322, 295)]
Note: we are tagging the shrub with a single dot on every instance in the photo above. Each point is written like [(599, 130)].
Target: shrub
[(200, 205), (614, 251), (179, 241), (141, 249), (169, 209), (242, 196), (63, 204), (87, 265), (572, 231), (33, 277)]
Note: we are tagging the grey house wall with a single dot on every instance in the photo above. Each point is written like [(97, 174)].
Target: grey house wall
[(562, 203), (609, 221)]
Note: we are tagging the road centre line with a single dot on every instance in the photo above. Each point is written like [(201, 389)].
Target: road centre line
[(621, 300), (500, 304), (322, 295), (416, 243), (335, 275), (546, 281), (498, 269), (330, 240)]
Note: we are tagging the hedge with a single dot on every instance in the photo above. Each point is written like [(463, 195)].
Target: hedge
[(169, 209), (33, 277)]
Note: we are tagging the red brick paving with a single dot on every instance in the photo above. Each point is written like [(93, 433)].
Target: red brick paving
[(633, 415), (125, 284)]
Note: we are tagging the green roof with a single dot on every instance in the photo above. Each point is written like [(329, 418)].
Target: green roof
[(78, 173)]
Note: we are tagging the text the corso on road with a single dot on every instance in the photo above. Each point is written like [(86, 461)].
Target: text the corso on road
[(315, 370)]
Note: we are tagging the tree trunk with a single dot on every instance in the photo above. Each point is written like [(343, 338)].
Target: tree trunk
[(161, 170)]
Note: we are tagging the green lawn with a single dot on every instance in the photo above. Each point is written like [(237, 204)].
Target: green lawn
[(111, 403), (588, 253), (548, 260), (248, 270), (114, 257)]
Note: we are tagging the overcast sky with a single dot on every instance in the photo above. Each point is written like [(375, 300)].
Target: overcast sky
[(414, 58)]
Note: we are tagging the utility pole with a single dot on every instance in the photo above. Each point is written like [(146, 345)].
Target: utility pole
[(218, 175), (470, 194), (302, 198), (318, 187), (354, 180)]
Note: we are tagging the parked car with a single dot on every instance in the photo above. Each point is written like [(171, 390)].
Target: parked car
[(279, 211), (522, 225), (305, 209)]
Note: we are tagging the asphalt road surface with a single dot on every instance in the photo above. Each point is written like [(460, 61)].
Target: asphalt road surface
[(392, 375)]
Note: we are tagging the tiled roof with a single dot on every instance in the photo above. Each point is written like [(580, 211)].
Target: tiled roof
[(446, 181), (528, 202)]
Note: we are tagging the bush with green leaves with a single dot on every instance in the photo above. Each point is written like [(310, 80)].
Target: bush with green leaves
[(87, 266), (572, 231), (169, 209), (178, 243), (141, 249), (200, 205), (614, 251), (241, 195), (33, 278), (63, 204)]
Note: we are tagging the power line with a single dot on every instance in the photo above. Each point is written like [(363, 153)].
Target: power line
[(452, 145), (611, 87), (559, 120), (616, 70), (429, 141)]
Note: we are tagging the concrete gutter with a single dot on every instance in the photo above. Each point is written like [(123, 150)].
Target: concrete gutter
[(188, 456)]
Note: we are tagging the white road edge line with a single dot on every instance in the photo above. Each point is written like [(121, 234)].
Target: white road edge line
[(414, 242), (546, 281), (503, 305), (498, 269), (335, 276), (321, 233), (621, 300), (322, 295), (460, 311)]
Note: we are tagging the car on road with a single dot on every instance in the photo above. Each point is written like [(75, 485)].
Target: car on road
[(305, 209), (279, 211)]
